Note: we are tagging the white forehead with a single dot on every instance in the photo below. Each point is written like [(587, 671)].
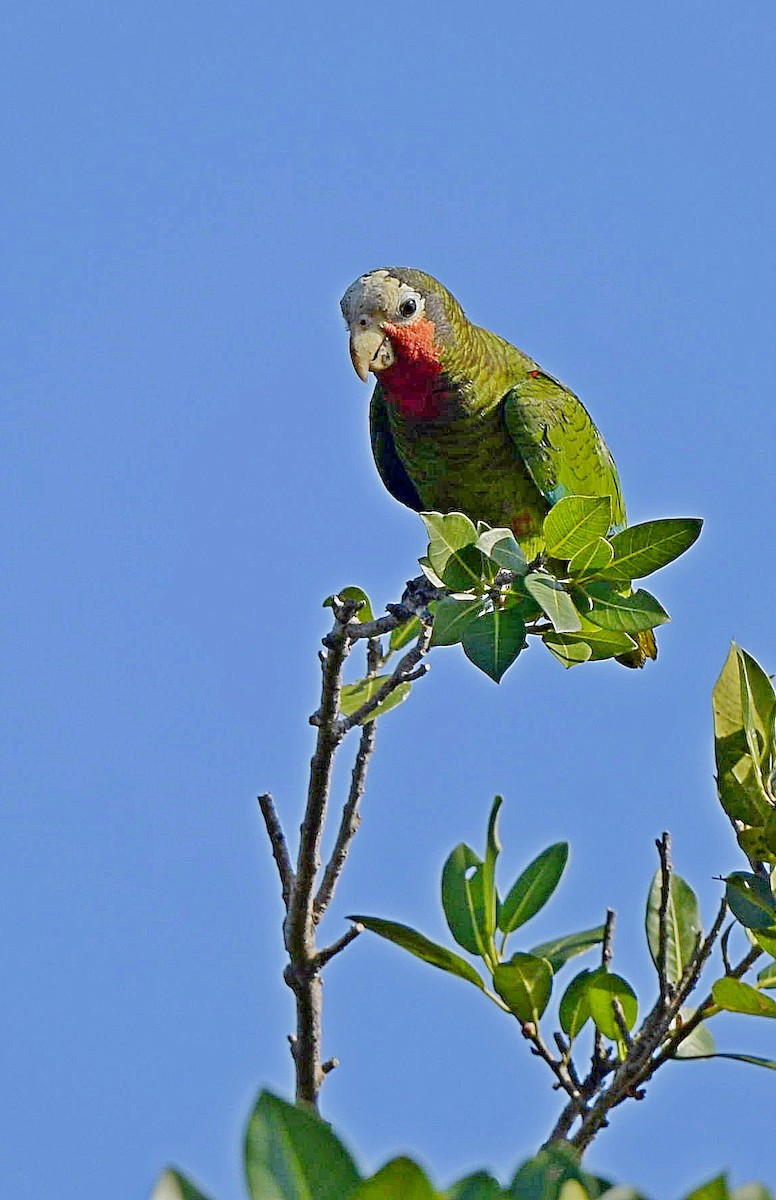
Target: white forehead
[(378, 292)]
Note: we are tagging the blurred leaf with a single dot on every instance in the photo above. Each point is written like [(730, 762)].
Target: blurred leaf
[(451, 618), (558, 951), (752, 1059), (524, 983), (353, 695), (554, 601), (641, 549), (751, 900), (501, 546), (422, 947), (353, 593), (480, 1186), (683, 924), (602, 989), (171, 1185), (700, 1043), (494, 640), (765, 939), (736, 996), (533, 887), (462, 898), (574, 1010), (291, 1154), (591, 559), (767, 977), (751, 1191), (627, 614), (543, 1177), (400, 1179), (574, 522), (715, 1189), (464, 570), (405, 633), (447, 533)]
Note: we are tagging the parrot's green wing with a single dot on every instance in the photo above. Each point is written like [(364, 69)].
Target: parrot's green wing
[(389, 465), (559, 444)]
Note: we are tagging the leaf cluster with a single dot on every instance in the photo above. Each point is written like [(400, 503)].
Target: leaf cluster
[(577, 596)]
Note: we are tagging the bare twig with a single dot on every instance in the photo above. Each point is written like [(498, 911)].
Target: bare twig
[(279, 845), (407, 669), (664, 850), (325, 955)]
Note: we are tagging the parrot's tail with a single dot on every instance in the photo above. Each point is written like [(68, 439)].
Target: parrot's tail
[(646, 648)]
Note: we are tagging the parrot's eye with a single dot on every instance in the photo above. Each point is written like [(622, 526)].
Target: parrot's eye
[(408, 308)]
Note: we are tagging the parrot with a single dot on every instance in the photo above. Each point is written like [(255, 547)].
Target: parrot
[(462, 421)]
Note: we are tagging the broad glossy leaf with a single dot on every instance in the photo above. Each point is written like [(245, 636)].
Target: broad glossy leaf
[(447, 533), (354, 593), (765, 938), (641, 549), (501, 546), (480, 1186), (462, 898), (399, 1179), (533, 887), (574, 1010), (171, 1185), (494, 640), (353, 695), (574, 522), (751, 900), (591, 559), (767, 977), (628, 614), (737, 996), (525, 984), (570, 652), (715, 1189), (683, 924), (602, 643), (602, 989), (554, 601), (451, 617), (422, 947), (743, 703), (404, 633), (558, 951), (464, 570), (291, 1154)]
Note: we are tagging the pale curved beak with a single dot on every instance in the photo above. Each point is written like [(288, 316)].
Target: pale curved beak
[(370, 350)]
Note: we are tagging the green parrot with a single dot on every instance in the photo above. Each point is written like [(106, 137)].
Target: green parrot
[(462, 421)]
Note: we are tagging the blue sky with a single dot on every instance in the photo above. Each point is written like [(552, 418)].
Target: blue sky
[(187, 192)]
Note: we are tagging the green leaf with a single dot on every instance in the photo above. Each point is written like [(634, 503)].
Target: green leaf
[(751, 900), (399, 1179), (592, 559), (291, 1154), (683, 924), (765, 939), (602, 989), (715, 1189), (554, 601), (451, 618), (700, 1043), (752, 1059), (641, 549), (492, 851), (494, 640), (422, 947), (574, 522), (353, 593), (480, 1186), (574, 1010), (570, 652), (558, 951), (404, 633), (767, 977), (628, 614), (171, 1185), (744, 702), (464, 570), (525, 984), (447, 534), (751, 1191), (462, 899), (501, 547), (543, 1177), (736, 996), (353, 695), (533, 887)]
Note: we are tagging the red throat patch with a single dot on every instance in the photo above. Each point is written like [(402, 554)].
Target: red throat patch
[(409, 383)]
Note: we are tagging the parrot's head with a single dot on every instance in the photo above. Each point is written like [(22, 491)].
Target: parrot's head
[(401, 322)]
